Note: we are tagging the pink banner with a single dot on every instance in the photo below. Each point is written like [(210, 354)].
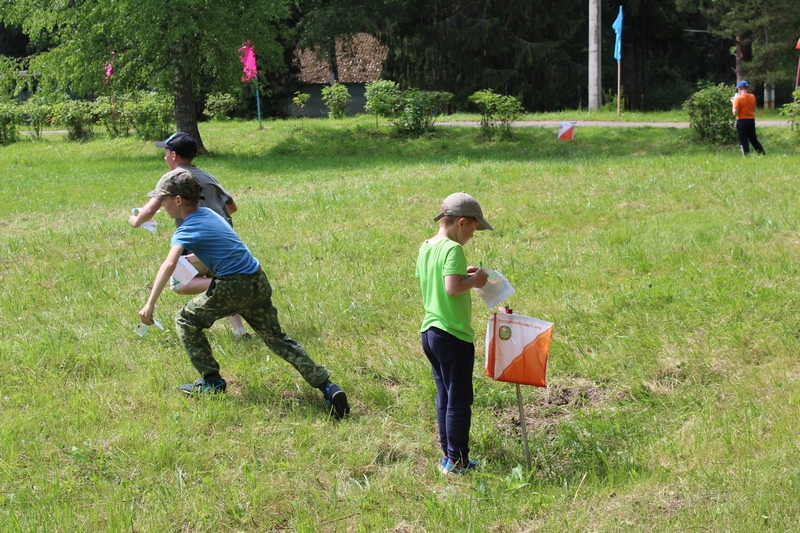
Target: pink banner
[(109, 69), (248, 59)]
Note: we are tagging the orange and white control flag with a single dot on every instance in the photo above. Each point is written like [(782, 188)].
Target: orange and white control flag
[(517, 348), (566, 131)]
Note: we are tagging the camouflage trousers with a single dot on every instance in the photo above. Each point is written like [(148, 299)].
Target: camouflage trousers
[(249, 295)]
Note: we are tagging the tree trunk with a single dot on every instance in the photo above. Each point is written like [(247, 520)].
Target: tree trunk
[(183, 93), (595, 70), (743, 54), (333, 65)]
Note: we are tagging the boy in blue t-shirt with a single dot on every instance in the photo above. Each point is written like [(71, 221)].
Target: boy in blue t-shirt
[(447, 335), (240, 286)]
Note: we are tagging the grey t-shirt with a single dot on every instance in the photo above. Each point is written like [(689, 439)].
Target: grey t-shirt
[(214, 194)]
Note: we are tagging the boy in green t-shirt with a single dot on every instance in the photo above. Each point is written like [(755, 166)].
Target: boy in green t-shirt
[(447, 335)]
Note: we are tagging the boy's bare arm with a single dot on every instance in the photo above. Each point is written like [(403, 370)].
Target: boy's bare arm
[(454, 284), (162, 278), (145, 213), (231, 207)]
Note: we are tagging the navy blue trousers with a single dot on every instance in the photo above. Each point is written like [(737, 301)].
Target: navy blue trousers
[(452, 361), (746, 128)]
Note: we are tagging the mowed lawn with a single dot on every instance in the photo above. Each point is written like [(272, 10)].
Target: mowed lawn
[(670, 271)]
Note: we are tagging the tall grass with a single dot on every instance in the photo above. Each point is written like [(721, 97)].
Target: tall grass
[(669, 270)]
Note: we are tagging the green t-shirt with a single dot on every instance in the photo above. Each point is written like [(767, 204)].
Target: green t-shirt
[(452, 314)]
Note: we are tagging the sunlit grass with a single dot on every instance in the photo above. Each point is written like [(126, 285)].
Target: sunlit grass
[(669, 270)]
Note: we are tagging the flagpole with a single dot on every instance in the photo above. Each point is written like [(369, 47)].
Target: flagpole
[(258, 101), (522, 424), (619, 81), (618, 55)]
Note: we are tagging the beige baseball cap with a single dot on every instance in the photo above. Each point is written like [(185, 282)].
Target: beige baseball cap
[(461, 204)]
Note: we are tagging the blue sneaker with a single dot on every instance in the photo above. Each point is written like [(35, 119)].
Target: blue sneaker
[(201, 386), (336, 399), (449, 467)]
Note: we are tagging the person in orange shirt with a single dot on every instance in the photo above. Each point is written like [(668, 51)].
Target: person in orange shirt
[(744, 109)]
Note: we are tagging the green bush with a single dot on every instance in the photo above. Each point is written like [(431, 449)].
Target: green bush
[(77, 116), (335, 96), (9, 119), (710, 114), (219, 106), (151, 115), (111, 114), (382, 97), (611, 98), (792, 109), (300, 99), (497, 112), (37, 112), (416, 110)]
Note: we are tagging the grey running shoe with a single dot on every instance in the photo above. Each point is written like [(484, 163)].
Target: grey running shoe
[(201, 386)]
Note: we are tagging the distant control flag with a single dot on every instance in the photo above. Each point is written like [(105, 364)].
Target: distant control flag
[(248, 58), (618, 54), (618, 30), (566, 131), (109, 69)]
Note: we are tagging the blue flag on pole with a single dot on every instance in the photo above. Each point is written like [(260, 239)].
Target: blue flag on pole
[(618, 30)]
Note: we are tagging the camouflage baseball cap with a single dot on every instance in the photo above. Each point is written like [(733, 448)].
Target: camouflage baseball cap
[(181, 183)]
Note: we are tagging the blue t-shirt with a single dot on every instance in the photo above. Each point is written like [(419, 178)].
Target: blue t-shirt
[(215, 243)]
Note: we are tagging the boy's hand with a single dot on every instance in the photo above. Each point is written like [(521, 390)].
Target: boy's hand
[(471, 270), (479, 276), (146, 315)]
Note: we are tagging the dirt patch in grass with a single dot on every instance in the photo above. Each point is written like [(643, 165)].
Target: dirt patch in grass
[(545, 408)]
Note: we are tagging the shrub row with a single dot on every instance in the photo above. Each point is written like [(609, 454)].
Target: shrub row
[(148, 114)]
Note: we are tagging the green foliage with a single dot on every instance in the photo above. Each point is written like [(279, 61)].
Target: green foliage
[(9, 119), (792, 109), (9, 75), (416, 110), (382, 97), (611, 98), (763, 29), (710, 114), (184, 50), (112, 115), (335, 96), (77, 116), (37, 112), (300, 99), (219, 106), (151, 114), (497, 113)]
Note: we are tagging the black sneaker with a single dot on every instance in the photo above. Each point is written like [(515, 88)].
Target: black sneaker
[(336, 399), (201, 386)]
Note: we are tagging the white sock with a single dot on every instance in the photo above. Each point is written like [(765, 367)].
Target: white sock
[(238, 332)]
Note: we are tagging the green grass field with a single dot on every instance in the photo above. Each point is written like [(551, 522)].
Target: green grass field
[(670, 271)]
